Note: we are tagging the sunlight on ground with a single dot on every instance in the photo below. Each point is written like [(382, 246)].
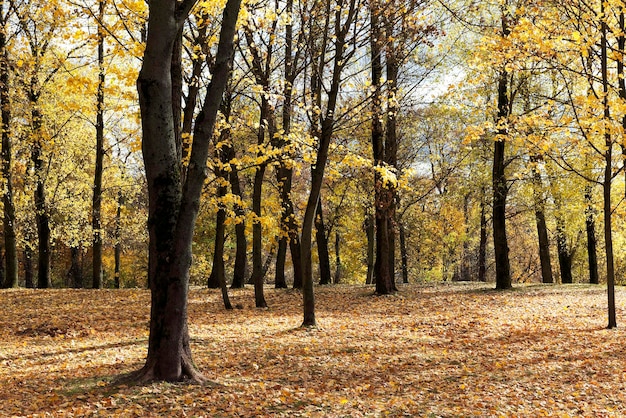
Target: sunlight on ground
[(444, 350)]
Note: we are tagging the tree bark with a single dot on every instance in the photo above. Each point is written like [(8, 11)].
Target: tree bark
[(96, 222), (29, 274), (322, 245), (590, 227), (241, 252), (117, 252), (383, 196), (338, 269), (174, 205), (285, 172), (500, 187), (370, 231), (482, 245), (76, 271), (404, 254), (608, 175), (10, 241), (540, 220)]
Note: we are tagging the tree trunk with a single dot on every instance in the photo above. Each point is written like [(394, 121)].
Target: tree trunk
[(338, 269), (29, 274), (10, 241), (370, 231), (392, 64), (241, 252), (383, 196), (218, 271), (482, 245), (257, 240), (565, 256), (608, 176), (76, 271), (174, 205), (500, 187), (403, 254), (324, 131), (590, 225), (540, 220), (284, 172), (322, 245), (96, 210), (118, 239), (43, 221)]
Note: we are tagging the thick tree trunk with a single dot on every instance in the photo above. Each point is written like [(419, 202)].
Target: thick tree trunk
[(10, 241), (173, 205), (322, 245)]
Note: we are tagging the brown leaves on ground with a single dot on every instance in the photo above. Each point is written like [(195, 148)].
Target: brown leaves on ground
[(445, 350)]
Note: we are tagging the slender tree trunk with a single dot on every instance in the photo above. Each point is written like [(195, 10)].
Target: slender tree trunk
[(323, 131), (257, 240), (322, 245), (241, 251), (338, 269), (565, 256), (590, 226), (404, 254), (482, 245), (542, 229), (42, 220), (29, 274), (608, 174), (284, 172), (218, 271), (383, 196), (96, 222), (117, 252), (391, 137), (370, 232)]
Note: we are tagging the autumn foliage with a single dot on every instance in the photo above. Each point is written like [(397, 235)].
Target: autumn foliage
[(430, 350)]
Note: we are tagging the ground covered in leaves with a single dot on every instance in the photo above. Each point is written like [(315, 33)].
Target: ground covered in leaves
[(439, 350)]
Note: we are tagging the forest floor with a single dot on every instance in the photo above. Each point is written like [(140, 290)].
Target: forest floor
[(431, 350)]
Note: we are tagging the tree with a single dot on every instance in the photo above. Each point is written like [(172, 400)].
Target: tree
[(323, 120), (96, 212), (10, 241), (173, 205)]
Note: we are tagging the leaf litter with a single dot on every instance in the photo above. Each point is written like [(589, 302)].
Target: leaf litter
[(430, 350)]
